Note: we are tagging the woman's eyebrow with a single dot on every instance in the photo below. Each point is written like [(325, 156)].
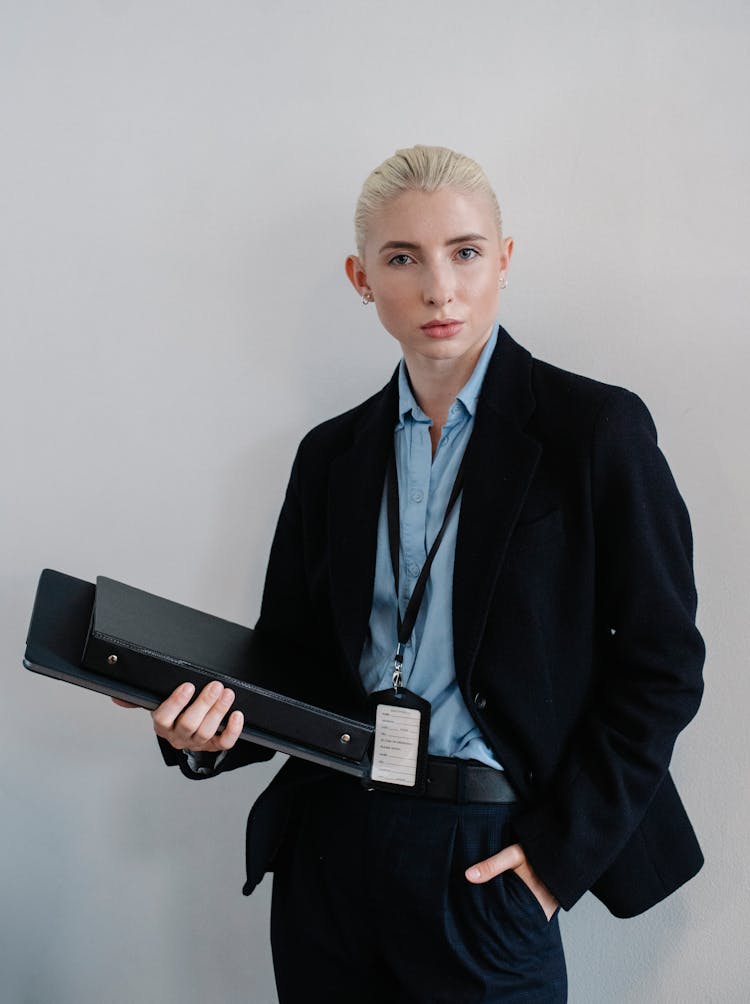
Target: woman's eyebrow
[(415, 247)]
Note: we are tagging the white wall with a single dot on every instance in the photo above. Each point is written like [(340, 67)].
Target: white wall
[(177, 181)]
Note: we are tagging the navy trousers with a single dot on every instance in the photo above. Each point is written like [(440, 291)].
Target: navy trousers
[(370, 903)]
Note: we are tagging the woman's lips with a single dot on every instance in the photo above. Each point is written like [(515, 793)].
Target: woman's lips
[(442, 329)]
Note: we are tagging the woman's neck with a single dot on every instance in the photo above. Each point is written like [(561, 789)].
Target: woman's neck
[(437, 382)]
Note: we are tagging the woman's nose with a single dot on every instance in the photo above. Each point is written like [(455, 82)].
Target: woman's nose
[(439, 288)]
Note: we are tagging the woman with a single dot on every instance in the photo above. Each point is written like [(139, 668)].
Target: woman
[(547, 639)]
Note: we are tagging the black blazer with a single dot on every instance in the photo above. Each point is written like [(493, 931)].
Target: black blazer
[(573, 615)]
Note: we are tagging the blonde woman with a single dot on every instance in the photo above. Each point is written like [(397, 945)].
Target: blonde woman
[(498, 544)]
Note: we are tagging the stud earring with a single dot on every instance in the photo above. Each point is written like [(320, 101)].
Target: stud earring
[(368, 298), (503, 282)]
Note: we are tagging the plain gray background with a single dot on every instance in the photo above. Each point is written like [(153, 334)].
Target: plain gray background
[(177, 182)]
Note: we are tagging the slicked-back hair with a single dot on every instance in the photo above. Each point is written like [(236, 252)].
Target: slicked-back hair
[(421, 169)]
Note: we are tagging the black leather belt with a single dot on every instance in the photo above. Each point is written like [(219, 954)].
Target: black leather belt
[(464, 781)]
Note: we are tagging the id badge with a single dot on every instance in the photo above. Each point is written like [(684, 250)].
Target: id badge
[(402, 728)]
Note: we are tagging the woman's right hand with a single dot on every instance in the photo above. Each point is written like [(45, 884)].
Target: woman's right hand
[(194, 728)]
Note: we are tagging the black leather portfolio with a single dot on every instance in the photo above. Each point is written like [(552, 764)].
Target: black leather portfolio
[(130, 644)]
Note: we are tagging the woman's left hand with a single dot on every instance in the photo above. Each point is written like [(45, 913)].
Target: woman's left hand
[(513, 858)]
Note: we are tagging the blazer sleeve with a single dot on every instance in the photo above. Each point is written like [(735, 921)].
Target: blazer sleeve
[(648, 682), (284, 599), (285, 610)]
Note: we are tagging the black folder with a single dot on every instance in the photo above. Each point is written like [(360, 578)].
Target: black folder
[(118, 640)]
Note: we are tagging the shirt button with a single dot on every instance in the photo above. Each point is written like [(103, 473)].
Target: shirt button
[(480, 701), (413, 570), (417, 496)]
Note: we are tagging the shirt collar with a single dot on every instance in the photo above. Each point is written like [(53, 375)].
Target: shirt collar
[(467, 396)]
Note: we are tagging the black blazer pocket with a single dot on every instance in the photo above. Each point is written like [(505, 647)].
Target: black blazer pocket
[(533, 533)]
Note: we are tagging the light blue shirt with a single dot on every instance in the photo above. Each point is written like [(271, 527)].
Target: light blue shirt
[(424, 485)]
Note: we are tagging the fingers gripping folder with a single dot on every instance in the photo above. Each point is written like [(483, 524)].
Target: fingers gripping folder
[(130, 644)]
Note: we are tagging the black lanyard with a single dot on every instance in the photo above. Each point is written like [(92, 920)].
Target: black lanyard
[(406, 626)]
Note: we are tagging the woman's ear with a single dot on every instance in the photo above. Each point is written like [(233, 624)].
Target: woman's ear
[(356, 274), (506, 251)]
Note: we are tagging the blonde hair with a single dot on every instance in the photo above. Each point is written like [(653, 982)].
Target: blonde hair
[(423, 169)]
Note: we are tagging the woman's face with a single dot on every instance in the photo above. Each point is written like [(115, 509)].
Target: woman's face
[(433, 263)]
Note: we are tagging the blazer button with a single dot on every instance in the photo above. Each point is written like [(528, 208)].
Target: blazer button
[(480, 701)]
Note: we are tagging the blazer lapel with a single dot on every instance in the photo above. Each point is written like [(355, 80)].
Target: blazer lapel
[(357, 477), (501, 462)]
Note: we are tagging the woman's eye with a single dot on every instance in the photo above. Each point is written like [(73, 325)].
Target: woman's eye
[(466, 254), (400, 259)]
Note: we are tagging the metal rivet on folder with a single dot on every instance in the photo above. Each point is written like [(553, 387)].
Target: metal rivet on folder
[(111, 659), (346, 738)]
